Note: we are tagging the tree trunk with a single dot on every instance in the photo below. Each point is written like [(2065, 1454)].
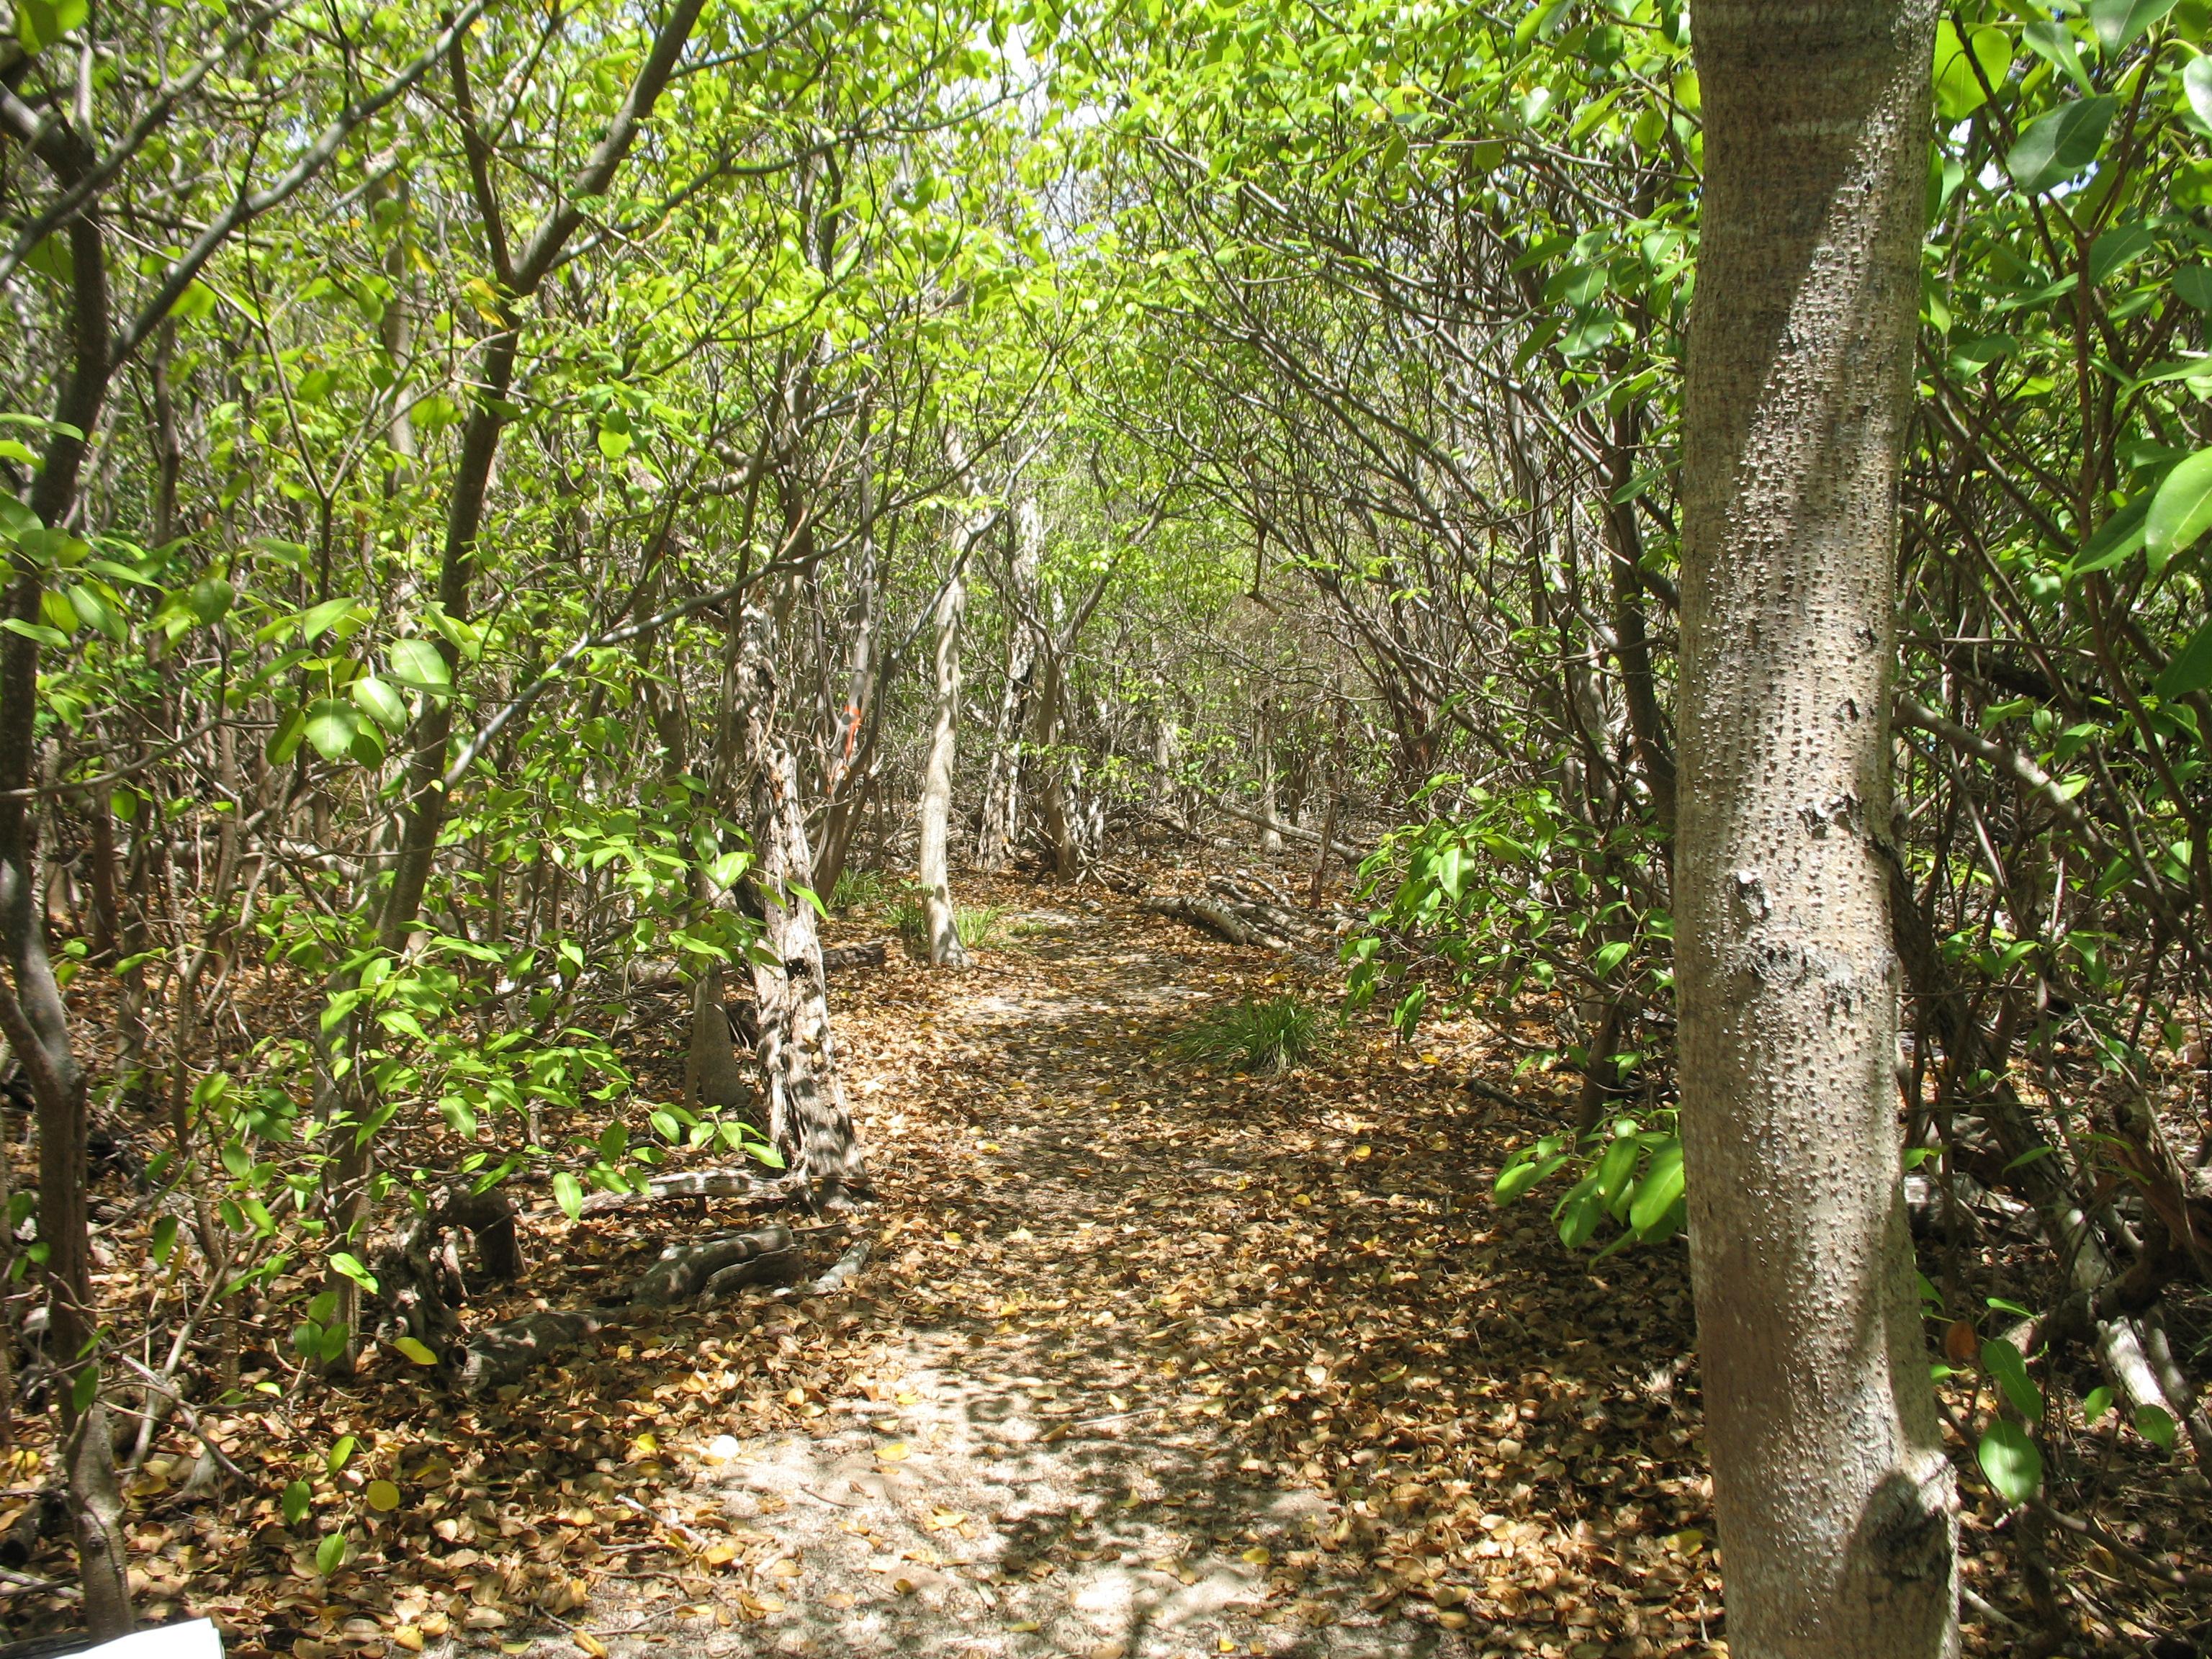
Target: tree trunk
[(1271, 837), (944, 947), (807, 1115), (36, 1019), (1838, 1517), (1052, 771), (422, 808), (851, 762), (714, 1081), (1001, 816)]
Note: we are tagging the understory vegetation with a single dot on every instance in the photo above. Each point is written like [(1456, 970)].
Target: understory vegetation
[(1272, 1033)]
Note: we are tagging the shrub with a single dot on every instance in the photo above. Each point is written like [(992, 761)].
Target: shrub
[(1275, 1035)]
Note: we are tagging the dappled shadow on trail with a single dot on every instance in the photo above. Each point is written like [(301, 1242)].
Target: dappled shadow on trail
[(1151, 1362)]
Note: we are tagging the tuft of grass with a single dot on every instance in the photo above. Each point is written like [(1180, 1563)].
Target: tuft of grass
[(977, 925), (859, 890), (1275, 1035)]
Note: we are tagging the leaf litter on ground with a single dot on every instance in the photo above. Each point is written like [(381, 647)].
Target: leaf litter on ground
[(1151, 1357)]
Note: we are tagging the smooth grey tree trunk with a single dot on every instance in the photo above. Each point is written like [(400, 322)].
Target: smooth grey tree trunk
[(1836, 1513), (1054, 814), (936, 805)]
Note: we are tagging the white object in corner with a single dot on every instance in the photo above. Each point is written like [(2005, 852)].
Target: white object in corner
[(195, 1640)]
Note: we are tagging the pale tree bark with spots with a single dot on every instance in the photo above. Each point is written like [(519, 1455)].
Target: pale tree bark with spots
[(1835, 1501)]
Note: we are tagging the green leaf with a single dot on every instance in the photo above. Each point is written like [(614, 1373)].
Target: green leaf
[(297, 1498), (284, 741), (2155, 1424), (2119, 248), (40, 23), (2053, 42), (2118, 536), (86, 1388), (2095, 1404), (414, 1350), (341, 1453), (419, 665), (2119, 22), (331, 727), (346, 1262), (2009, 1456), (1610, 957), (209, 598), (317, 622), (197, 301), (93, 610), (1578, 1213), (1957, 90), (2197, 88), (2058, 146), (52, 638), (2194, 283), (2009, 1370), (568, 1194), (2180, 512), (376, 699), (331, 1554), (1662, 1184), (164, 1239)]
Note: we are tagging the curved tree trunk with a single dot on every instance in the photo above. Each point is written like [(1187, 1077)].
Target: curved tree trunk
[(1836, 1513), (944, 947)]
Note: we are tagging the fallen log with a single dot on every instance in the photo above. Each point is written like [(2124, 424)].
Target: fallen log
[(855, 1254), (1221, 920), (684, 1269), (769, 1267), (844, 958), (506, 1353), (1216, 918)]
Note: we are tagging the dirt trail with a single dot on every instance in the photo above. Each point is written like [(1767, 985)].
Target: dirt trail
[(1131, 1380), (1024, 1489), (1019, 1489)]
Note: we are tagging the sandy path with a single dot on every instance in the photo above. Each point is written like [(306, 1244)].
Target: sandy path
[(1017, 1490)]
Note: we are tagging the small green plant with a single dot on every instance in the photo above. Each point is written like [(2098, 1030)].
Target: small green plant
[(859, 890), (1275, 1035), (978, 926)]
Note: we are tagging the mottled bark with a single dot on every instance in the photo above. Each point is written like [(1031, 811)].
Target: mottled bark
[(797, 1058), (1837, 1514)]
